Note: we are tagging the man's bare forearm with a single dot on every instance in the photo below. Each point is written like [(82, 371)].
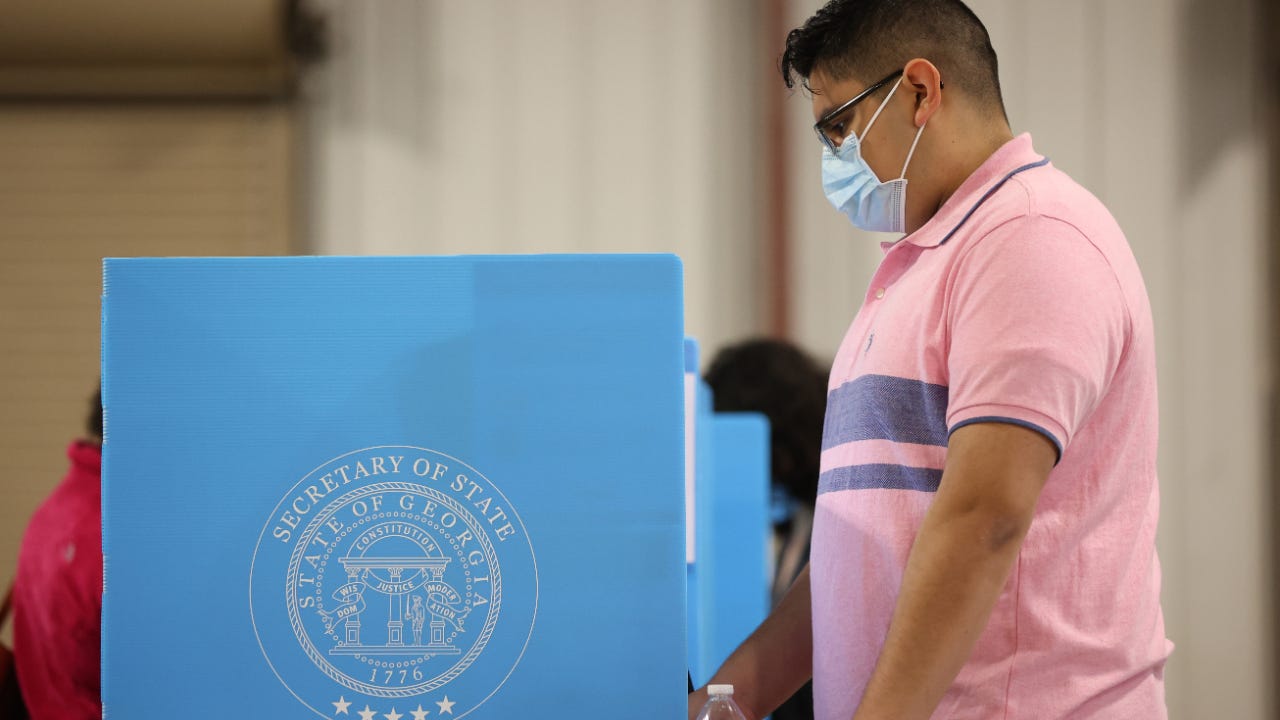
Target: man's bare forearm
[(776, 660)]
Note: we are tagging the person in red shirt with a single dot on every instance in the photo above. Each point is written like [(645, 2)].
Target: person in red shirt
[(57, 594)]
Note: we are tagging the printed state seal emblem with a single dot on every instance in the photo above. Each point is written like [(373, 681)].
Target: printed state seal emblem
[(393, 581)]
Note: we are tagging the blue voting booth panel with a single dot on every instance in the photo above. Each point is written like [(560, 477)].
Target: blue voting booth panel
[(393, 487), (729, 581), (690, 434), (740, 533)]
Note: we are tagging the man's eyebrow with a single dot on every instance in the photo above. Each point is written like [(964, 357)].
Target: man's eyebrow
[(825, 114), (826, 110)]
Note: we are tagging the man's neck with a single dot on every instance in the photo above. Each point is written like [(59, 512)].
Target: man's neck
[(966, 164)]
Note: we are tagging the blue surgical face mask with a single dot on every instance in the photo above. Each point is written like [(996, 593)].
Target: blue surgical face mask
[(853, 188)]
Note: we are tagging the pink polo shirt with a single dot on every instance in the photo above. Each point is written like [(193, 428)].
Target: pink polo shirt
[(1018, 302)]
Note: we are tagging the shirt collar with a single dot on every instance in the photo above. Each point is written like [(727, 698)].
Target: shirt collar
[(1012, 157)]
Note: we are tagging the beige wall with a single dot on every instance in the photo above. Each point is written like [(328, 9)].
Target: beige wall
[(446, 127), (80, 181)]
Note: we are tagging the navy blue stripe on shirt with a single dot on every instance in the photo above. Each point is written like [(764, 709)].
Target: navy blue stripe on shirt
[(882, 407), (881, 477), (1029, 166), (1013, 421)]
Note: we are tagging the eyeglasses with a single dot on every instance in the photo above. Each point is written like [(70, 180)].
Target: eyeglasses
[(831, 132)]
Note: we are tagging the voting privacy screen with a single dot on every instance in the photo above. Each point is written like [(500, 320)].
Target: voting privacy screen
[(393, 487)]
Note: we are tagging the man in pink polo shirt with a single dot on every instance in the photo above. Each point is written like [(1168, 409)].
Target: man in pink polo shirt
[(984, 538)]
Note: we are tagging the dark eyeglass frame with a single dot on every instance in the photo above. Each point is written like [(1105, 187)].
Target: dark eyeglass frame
[(820, 127)]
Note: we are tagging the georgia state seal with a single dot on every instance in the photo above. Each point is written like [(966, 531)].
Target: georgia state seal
[(393, 581)]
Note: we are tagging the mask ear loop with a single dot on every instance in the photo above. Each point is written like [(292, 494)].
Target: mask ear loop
[(912, 151), (879, 110)]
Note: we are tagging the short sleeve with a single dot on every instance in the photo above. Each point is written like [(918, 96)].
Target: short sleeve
[(1037, 324)]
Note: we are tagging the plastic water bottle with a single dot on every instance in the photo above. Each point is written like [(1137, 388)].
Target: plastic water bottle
[(721, 705)]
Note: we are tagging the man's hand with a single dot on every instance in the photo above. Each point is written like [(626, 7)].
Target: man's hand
[(958, 566), (774, 662)]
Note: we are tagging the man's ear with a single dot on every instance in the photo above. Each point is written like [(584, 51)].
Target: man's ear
[(926, 82)]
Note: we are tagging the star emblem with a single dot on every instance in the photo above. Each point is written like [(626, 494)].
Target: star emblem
[(446, 705), (393, 715), (419, 714), (367, 714), (340, 707)]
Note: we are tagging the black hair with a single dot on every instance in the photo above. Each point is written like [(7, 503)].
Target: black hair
[(777, 379), (869, 39), (94, 423)]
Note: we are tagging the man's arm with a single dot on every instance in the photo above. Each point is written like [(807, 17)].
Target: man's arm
[(774, 662), (958, 566)]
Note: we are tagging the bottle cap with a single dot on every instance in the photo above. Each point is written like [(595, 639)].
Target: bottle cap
[(720, 689)]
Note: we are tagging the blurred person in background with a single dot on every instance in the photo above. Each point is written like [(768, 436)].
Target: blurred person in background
[(780, 381), (57, 593), (984, 533)]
